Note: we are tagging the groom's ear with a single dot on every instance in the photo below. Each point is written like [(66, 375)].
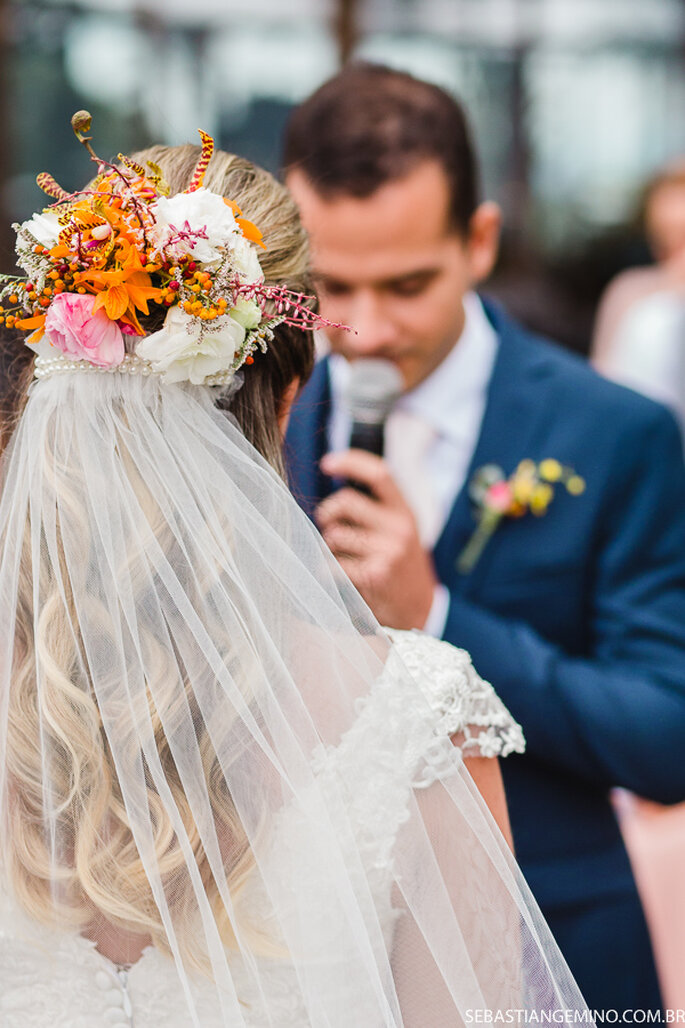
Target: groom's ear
[(482, 242), (285, 405)]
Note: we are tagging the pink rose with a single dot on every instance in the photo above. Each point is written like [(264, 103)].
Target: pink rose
[(499, 497), (72, 327)]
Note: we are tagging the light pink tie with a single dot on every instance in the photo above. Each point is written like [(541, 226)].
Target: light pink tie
[(408, 439)]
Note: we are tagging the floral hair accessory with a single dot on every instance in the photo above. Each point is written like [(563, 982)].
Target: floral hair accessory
[(529, 488), (96, 259)]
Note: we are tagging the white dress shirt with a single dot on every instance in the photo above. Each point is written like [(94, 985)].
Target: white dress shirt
[(451, 401)]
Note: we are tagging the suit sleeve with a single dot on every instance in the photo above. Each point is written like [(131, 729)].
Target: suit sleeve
[(615, 716)]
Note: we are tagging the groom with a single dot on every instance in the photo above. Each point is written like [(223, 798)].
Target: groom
[(577, 617)]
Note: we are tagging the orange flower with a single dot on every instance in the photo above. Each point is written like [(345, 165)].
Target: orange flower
[(99, 227), (251, 232), (124, 291), (37, 323), (248, 228)]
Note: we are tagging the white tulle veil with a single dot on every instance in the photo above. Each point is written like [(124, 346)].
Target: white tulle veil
[(189, 722)]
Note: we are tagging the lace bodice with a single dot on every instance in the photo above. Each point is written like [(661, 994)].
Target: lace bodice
[(398, 742)]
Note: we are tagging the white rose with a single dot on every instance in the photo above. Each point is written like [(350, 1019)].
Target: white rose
[(44, 227), (180, 354), (244, 259), (247, 313), (204, 212)]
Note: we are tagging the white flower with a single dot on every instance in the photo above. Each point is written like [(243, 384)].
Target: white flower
[(247, 313), (244, 259), (44, 227), (42, 348), (181, 354), (202, 212)]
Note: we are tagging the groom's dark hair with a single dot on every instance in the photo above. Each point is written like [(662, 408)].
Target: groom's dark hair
[(370, 125)]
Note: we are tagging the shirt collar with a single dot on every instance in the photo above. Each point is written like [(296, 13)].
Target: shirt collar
[(459, 380)]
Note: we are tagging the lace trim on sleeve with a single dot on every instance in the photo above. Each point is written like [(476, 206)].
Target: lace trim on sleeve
[(466, 708), (404, 738)]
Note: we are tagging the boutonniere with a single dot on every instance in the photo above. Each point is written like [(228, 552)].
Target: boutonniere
[(529, 489)]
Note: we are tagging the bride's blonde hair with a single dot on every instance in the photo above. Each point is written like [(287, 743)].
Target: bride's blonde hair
[(98, 871)]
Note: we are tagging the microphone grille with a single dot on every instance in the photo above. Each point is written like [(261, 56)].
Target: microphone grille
[(373, 388)]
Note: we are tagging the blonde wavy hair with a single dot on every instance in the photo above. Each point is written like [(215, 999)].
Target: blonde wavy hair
[(98, 872)]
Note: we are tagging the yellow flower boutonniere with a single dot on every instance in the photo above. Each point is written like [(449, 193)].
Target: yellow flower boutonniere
[(529, 488)]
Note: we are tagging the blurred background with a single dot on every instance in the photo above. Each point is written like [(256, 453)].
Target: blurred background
[(574, 104)]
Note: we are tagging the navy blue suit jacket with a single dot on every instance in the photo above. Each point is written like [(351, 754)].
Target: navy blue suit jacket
[(578, 620)]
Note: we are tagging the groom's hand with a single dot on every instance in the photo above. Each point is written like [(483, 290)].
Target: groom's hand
[(375, 539)]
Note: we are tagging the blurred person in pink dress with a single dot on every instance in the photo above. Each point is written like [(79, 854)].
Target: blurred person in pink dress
[(655, 838), (639, 336), (640, 341)]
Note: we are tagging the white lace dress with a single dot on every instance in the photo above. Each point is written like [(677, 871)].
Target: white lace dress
[(50, 979)]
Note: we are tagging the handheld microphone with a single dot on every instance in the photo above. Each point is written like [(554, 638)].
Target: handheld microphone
[(373, 388)]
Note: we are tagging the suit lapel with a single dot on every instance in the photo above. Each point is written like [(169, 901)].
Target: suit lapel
[(509, 430), (513, 427), (306, 440)]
